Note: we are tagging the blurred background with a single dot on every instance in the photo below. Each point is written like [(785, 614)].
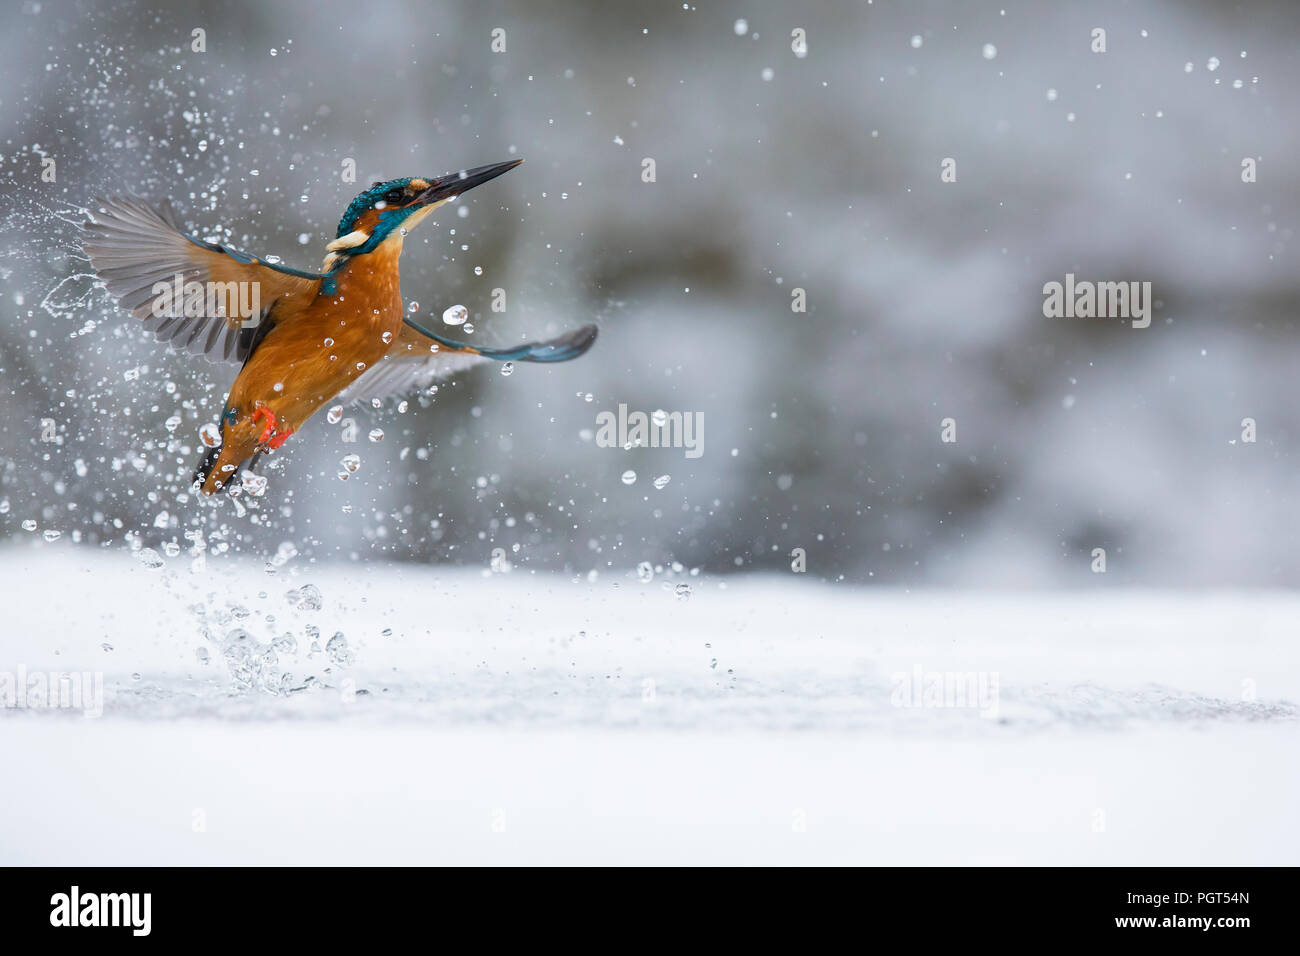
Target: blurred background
[(773, 172)]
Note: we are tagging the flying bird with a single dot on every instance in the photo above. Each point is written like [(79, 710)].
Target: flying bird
[(307, 337)]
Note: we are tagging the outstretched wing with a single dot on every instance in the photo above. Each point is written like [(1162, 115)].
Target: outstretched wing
[(419, 357), (134, 246)]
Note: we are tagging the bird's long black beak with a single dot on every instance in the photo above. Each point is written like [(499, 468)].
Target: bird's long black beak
[(453, 184)]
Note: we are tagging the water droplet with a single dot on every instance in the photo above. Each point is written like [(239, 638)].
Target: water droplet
[(328, 342), (456, 315), (334, 415), (629, 477), (412, 306), (478, 270), (659, 417), (172, 423), (767, 74), (387, 337), (253, 484), (662, 481), (210, 435), (1212, 64), (376, 434), (683, 591), (106, 647), (305, 598), (508, 369), (201, 655), (149, 558), (351, 463), (52, 535), (29, 525), (917, 41), (741, 27), (468, 327), (645, 572), (990, 51), (336, 649)]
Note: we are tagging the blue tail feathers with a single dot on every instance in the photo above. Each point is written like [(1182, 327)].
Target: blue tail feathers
[(560, 349)]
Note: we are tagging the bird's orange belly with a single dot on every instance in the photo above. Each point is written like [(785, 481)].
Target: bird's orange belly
[(299, 368)]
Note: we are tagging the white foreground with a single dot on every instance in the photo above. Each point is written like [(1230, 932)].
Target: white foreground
[(516, 718)]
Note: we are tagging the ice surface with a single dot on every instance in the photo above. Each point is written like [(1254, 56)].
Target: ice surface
[(508, 718)]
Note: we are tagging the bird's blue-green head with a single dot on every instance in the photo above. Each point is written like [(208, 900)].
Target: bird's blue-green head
[(397, 206)]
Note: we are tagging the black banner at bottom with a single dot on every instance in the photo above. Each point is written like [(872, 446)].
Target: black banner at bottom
[(1153, 905)]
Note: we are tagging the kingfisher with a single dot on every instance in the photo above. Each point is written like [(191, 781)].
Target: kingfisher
[(301, 338)]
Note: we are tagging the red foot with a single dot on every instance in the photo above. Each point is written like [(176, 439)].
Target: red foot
[(263, 412), (271, 435)]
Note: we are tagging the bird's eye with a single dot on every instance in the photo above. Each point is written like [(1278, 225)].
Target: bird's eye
[(393, 196)]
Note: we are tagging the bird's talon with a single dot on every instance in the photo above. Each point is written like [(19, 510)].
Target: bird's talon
[(271, 435), (271, 424)]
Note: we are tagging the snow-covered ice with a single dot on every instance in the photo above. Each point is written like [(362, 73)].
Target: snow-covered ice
[(467, 717)]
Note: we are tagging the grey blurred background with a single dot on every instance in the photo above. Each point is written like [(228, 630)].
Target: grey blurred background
[(774, 172)]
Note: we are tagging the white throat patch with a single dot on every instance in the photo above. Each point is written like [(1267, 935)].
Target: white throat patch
[(335, 248)]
